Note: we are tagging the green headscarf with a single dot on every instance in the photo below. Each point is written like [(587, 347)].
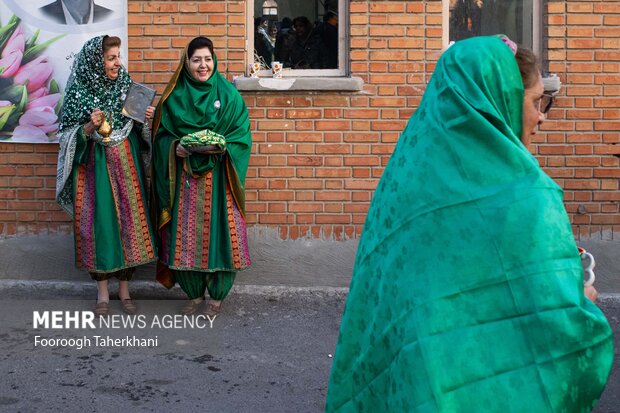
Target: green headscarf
[(188, 106), (88, 88), (467, 290)]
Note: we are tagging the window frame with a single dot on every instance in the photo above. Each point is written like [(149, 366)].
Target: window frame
[(343, 69), (537, 27)]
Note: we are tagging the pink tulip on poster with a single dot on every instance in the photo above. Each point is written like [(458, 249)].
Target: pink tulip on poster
[(10, 63), (17, 41), (44, 101), (36, 73), (28, 133), (13, 53), (43, 118), (40, 92)]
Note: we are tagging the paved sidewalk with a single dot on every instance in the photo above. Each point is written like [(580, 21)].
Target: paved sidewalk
[(47, 261)]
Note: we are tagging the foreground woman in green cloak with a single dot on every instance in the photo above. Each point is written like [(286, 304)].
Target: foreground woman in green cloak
[(201, 152), (468, 291), (101, 179)]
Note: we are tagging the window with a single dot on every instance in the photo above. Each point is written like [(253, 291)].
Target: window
[(306, 37), (518, 19)]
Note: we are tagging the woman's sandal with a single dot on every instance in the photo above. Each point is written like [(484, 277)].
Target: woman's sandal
[(128, 306), (191, 306), (212, 309), (102, 309)]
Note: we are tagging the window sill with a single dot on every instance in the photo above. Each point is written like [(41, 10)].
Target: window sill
[(265, 84)]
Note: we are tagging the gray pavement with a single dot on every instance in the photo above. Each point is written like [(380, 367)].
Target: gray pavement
[(269, 351), (300, 263), (262, 354), (303, 263)]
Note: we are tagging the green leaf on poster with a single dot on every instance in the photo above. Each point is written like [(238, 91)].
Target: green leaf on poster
[(5, 114), (31, 53)]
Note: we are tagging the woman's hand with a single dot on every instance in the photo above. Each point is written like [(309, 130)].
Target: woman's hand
[(590, 293), (150, 112), (96, 119), (181, 151)]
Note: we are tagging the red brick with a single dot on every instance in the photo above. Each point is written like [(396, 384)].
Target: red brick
[(337, 143), (584, 19), (303, 114), (386, 7)]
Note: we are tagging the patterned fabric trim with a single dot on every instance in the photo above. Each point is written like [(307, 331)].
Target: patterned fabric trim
[(84, 216), (131, 211), (64, 168), (206, 218), (180, 223), (193, 229), (238, 234), (116, 137), (199, 228)]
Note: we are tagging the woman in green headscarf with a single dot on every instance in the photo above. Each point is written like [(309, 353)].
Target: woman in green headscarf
[(201, 151), (468, 291), (101, 179)]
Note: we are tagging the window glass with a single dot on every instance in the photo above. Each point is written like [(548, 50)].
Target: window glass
[(513, 18), (300, 35)]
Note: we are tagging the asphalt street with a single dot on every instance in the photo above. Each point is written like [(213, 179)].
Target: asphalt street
[(264, 353)]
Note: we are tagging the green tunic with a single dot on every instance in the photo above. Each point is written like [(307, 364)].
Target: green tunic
[(467, 291), (200, 200), (102, 184)]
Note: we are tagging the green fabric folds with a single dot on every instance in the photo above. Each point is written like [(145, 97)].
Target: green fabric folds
[(200, 200), (467, 291), (103, 186), (188, 106), (194, 284)]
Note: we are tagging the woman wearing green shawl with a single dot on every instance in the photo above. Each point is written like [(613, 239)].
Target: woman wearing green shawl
[(100, 179), (201, 151), (468, 291)]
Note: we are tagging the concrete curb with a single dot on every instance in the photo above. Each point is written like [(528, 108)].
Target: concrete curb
[(609, 298), (152, 290)]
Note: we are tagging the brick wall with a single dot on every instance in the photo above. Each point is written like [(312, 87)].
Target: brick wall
[(318, 156), (580, 149)]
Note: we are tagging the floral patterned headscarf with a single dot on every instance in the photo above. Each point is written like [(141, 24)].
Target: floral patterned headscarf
[(88, 88)]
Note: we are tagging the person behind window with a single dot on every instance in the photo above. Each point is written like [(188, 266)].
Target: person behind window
[(101, 177), (468, 289), (328, 30), (285, 26), (302, 47), (201, 152), (263, 47), (466, 18), (73, 12), (273, 34)]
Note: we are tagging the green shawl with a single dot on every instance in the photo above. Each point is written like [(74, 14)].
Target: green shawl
[(467, 290), (188, 106)]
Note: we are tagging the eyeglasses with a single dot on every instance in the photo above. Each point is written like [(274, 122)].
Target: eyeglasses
[(545, 103)]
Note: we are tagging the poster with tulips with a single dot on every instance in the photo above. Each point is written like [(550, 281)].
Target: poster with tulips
[(38, 43)]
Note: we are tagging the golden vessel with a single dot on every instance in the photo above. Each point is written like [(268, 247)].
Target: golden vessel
[(105, 129)]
